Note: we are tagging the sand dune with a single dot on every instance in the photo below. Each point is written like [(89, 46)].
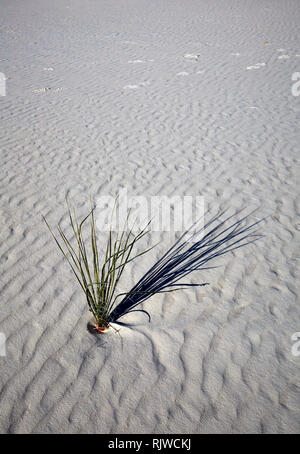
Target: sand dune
[(161, 98)]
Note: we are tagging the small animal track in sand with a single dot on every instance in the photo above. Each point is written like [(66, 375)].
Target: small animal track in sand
[(283, 57), (183, 73), (48, 69)]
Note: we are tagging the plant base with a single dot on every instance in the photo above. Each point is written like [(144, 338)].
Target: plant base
[(102, 329), (94, 329)]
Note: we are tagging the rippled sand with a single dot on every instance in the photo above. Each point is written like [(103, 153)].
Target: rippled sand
[(161, 98)]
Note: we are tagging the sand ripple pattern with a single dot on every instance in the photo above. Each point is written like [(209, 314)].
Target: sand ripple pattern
[(217, 359)]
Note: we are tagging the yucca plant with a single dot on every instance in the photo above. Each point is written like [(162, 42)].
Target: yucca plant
[(188, 254), (191, 252), (98, 282)]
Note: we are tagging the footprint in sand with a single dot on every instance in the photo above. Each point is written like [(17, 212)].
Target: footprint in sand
[(44, 89), (134, 87), (191, 56), (130, 87), (185, 73), (48, 69), (281, 57), (128, 42), (139, 61), (136, 61), (236, 54), (256, 66)]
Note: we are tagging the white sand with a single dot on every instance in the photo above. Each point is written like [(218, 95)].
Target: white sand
[(162, 98)]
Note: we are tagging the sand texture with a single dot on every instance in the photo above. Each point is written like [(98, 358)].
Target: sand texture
[(162, 98)]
